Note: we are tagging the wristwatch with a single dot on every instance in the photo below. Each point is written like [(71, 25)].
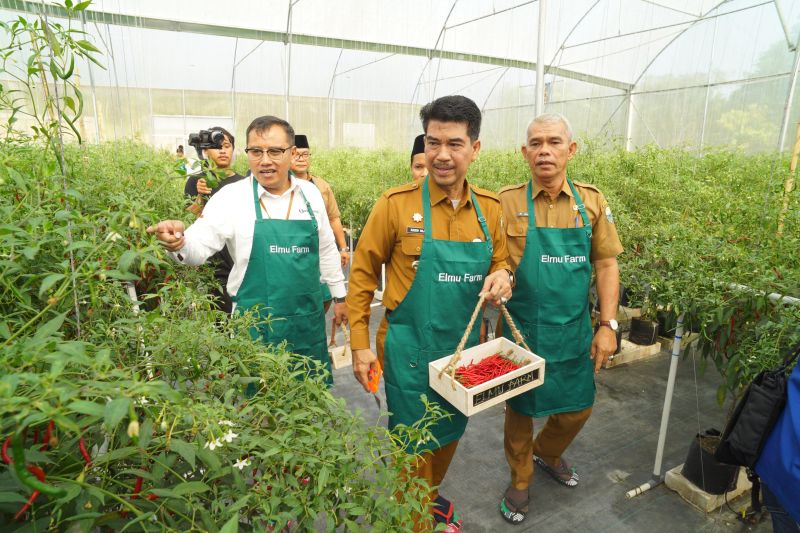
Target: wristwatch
[(511, 279), (344, 249), (338, 300), (613, 324)]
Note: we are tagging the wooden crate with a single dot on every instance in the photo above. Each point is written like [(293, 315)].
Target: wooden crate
[(341, 356), (476, 399), (632, 352)]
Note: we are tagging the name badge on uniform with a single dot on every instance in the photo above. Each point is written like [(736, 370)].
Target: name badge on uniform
[(411, 229), (522, 214)]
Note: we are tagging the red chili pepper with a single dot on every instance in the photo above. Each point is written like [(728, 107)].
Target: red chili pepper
[(27, 505), (485, 370), (151, 497), (84, 452), (36, 436), (137, 487), (39, 473), (48, 433), (6, 457)]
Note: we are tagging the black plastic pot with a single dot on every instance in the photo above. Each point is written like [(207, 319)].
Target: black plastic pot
[(703, 470), (643, 331), (667, 322)]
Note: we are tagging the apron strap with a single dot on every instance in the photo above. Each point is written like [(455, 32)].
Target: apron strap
[(426, 215), (259, 216), (308, 206), (581, 209)]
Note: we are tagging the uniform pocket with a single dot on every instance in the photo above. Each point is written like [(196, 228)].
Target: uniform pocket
[(411, 245)]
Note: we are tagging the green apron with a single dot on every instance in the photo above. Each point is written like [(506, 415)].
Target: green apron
[(551, 307), (282, 280), (430, 321)]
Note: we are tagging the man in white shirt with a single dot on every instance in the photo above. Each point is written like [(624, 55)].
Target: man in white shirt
[(278, 233)]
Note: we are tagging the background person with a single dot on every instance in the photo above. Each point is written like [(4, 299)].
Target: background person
[(557, 229), (424, 231), (197, 189), (418, 168), (280, 239)]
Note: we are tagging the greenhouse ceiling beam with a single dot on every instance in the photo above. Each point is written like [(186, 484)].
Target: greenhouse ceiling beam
[(115, 19)]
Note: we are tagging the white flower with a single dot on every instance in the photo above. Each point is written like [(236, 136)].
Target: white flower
[(143, 400), (226, 423), (229, 436), (240, 464), (212, 444)]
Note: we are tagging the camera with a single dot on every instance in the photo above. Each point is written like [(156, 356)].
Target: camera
[(206, 139)]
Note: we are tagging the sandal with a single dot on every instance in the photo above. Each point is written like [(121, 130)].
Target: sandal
[(564, 474), (517, 515), (445, 513)]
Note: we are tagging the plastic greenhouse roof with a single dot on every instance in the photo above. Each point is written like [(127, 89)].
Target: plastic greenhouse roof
[(414, 44)]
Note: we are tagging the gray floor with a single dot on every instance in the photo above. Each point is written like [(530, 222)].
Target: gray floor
[(613, 454)]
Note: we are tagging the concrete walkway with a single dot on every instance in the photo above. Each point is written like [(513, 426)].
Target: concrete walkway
[(613, 454)]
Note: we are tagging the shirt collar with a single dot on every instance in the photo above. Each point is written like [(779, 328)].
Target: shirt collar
[(437, 194), (537, 189), (292, 186)]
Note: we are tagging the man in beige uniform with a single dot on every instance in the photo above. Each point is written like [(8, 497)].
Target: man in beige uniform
[(301, 165), (551, 303)]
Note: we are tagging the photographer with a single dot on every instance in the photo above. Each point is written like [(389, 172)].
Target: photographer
[(216, 144)]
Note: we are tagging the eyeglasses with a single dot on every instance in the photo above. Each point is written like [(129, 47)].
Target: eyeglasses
[(273, 153), (301, 156)]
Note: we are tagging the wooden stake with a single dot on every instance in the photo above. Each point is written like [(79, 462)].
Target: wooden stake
[(788, 185)]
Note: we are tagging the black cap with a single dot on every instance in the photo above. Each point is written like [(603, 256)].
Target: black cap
[(419, 145), (301, 141)]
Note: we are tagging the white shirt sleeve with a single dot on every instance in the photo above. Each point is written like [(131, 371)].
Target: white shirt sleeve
[(209, 233), (330, 265)]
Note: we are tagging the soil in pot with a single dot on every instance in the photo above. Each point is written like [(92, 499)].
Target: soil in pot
[(643, 331), (703, 470)]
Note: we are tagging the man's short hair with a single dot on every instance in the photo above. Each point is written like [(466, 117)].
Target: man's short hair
[(225, 132), (455, 108), (552, 118), (262, 124)]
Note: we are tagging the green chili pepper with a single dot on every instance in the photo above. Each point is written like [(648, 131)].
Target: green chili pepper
[(28, 479)]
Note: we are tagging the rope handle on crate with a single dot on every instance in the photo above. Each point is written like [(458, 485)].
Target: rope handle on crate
[(450, 368), (345, 332)]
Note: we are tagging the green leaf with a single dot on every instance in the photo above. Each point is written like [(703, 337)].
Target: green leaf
[(86, 45), (116, 455), (11, 497), (164, 493), (241, 502), (50, 327), (82, 5), (49, 281), (185, 450), (140, 518), (115, 411), (232, 525), (191, 487), (126, 259), (87, 408), (208, 457)]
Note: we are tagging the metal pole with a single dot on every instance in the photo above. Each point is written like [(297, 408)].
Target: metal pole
[(540, 58), (91, 81), (658, 478), (708, 85), (288, 60), (789, 100), (629, 127)]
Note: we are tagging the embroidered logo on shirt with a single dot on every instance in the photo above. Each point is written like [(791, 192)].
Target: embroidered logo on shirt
[(411, 229), (416, 217)]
